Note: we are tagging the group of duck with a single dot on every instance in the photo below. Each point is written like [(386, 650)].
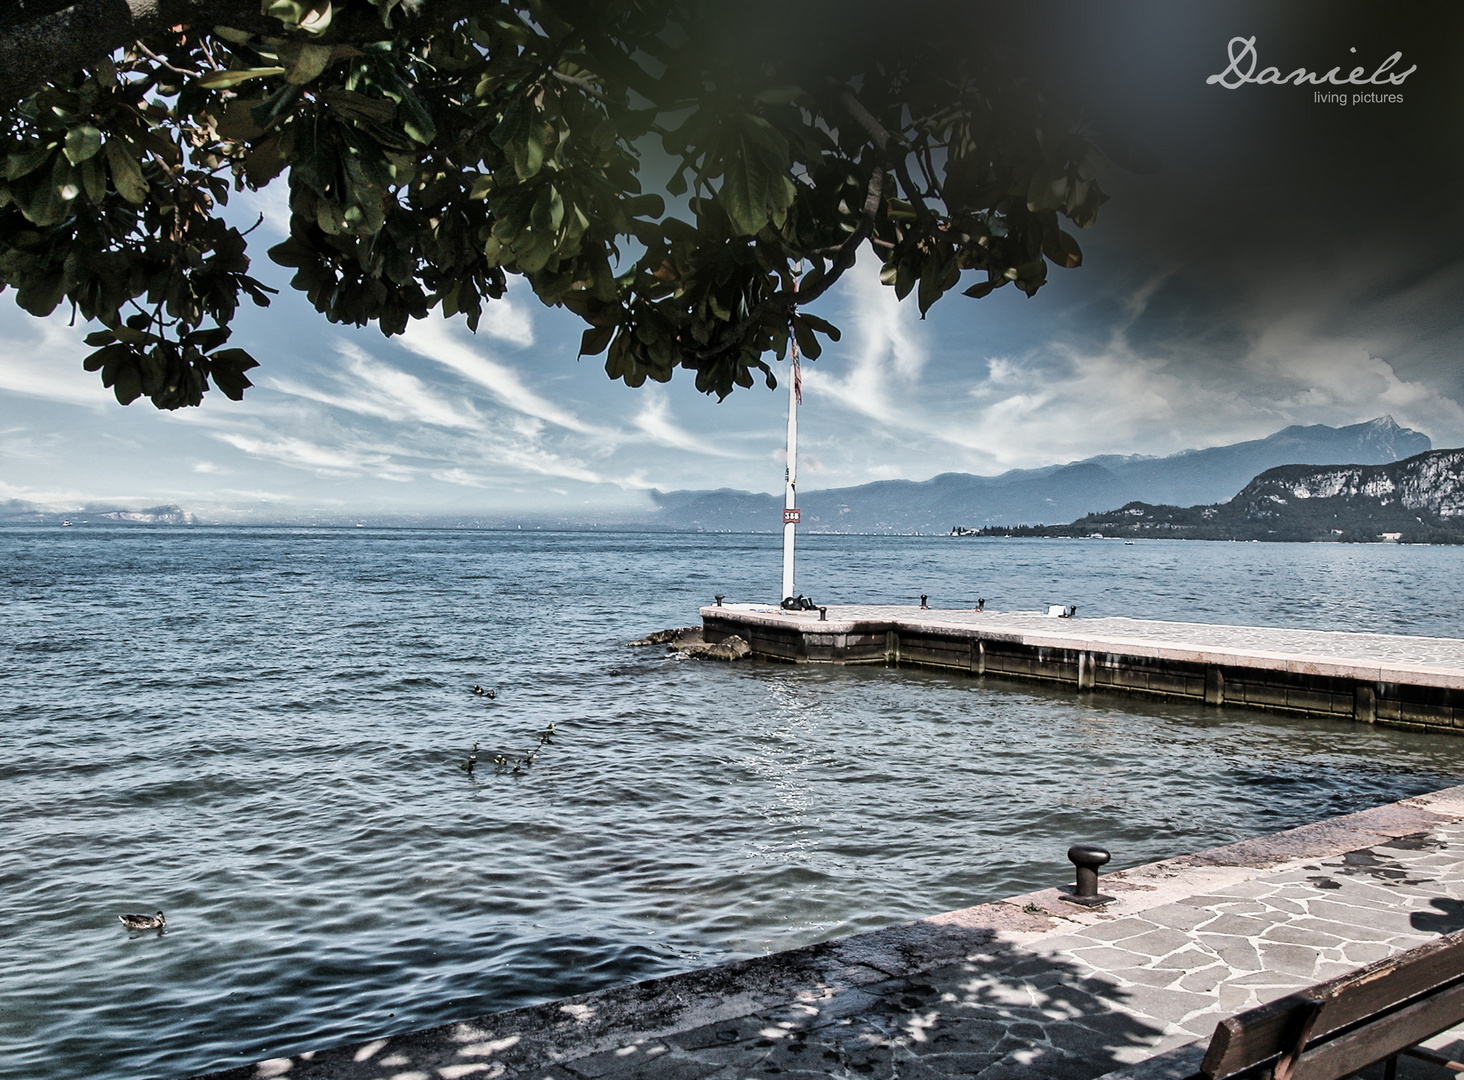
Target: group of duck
[(139, 923)]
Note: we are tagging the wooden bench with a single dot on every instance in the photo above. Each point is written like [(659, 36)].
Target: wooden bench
[(1341, 1026)]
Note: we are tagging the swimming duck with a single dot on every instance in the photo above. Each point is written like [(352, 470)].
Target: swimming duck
[(144, 922), (484, 693), (472, 762)]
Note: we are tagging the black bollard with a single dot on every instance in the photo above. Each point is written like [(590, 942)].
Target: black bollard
[(924, 598), (823, 614), (718, 598), (1087, 858)]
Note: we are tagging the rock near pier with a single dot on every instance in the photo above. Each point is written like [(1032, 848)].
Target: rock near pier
[(688, 641)]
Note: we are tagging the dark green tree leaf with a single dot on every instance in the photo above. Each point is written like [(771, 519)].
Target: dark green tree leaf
[(431, 151)]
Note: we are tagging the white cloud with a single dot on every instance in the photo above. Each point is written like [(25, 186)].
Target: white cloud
[(887, 352), (42, 359), (433, 439), (303, 454), (23, 444), (47, 499), (461, 477), (371, 388), (508, 319), (1086, 403), (655, 420), (272, 203), (1064, 402), (488, 456), (434, 339), (1332, 380), (259, 496)]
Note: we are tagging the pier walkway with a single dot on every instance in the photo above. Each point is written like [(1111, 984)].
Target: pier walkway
[(1030, 987), (1394, 679)]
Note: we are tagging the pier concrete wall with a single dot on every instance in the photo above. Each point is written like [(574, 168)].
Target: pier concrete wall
[(1311, 682)]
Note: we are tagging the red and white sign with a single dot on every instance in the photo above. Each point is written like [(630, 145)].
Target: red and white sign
[(792, 515)]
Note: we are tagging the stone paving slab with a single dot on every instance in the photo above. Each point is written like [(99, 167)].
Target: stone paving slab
[(1031, 986), (1369, 657)]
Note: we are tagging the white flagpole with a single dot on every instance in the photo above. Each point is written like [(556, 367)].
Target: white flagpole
[(790, 492)]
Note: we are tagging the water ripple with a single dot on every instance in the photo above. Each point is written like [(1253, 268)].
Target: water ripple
[(260, 732)]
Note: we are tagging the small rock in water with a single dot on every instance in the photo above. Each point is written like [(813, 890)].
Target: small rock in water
[(668, 637), (729, 648), (688, 641)]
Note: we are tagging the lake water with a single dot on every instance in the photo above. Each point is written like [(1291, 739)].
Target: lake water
[(260, 731)]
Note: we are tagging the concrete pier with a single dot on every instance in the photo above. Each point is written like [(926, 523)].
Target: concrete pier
[(1029, 987), (1398, 680)]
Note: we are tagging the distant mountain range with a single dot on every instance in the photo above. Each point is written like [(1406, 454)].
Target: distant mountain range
[(1058, 493), (1419, 500), (20, 512), (1048, 496)]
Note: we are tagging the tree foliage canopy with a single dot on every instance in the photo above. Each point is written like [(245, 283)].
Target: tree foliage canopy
[(431, 150)]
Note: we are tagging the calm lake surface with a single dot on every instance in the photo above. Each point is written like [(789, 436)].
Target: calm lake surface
[(259, 732)]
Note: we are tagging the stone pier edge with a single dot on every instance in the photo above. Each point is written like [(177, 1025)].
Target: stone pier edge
[(542, 1039), (1411, 696)]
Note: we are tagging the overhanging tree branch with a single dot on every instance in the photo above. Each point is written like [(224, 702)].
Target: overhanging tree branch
[(40, 40), (81, 34), (843, 256), (787, 299), (430, 159)]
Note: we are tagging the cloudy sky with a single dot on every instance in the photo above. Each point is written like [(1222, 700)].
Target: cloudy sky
[(1293, 261)]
